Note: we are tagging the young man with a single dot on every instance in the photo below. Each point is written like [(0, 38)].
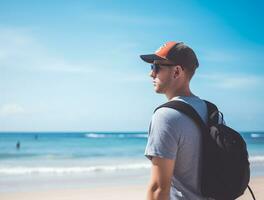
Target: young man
[(174, 141)]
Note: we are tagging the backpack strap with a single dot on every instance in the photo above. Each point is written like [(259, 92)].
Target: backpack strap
[(186, 109), (251, 192), (213, 113)]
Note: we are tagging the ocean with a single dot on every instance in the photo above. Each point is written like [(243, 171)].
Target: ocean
[(27, 155)]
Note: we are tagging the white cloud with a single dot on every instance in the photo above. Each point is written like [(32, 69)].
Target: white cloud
[(11, 109), (234, 54), (19, 49), (220, 56), (232, 81)]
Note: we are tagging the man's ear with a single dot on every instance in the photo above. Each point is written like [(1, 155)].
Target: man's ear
[(177, 71)]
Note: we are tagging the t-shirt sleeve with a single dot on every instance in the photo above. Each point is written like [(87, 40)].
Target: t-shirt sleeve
[(163, 139)]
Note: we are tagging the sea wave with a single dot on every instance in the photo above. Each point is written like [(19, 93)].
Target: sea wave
[(49, 156), (69, 170), (256, 159), (8, 170), (257, 135), (116, 135)]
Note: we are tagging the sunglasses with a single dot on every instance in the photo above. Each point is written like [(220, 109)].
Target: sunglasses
[(156, 67)]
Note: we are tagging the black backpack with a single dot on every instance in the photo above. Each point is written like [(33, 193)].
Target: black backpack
[(225, 166)]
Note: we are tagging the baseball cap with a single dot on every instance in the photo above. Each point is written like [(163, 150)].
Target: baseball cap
[(176, 52)]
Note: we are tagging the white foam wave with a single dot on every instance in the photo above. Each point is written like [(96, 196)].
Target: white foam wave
[(94, 135), (256, 159), (116, 135), (256, 135), (75, 170), (69, 170), (141, 135)]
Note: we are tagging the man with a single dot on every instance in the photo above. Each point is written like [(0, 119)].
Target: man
[(174, 141)]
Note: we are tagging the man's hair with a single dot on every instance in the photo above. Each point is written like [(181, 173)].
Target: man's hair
[(186, 59), (190, 71)]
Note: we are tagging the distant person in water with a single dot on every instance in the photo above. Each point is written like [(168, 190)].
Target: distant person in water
[(18, 145)]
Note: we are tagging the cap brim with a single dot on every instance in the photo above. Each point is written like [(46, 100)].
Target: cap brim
[(150, 58)]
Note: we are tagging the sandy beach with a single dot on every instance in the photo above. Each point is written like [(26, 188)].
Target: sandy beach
[(127, 192)]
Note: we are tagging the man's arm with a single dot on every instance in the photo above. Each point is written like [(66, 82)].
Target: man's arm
[(160, 182)]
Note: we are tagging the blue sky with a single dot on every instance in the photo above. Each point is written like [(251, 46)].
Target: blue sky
[(74, 65)]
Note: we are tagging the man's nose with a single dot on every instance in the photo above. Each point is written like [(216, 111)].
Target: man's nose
[(152, 74)]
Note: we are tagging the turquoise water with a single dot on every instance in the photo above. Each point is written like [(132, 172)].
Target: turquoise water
[(71, 153), (90, 152)]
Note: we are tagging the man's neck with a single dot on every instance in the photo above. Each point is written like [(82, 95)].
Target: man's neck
[(186, 92)]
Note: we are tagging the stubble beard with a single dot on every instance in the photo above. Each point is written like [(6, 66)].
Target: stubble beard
[(159, 88), (163, 86)]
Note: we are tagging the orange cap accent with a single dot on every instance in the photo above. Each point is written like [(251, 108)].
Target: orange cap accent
[(164, 49)]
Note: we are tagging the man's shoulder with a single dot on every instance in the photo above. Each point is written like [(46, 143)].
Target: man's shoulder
[(192, 100), (167, 115), (172, 115)]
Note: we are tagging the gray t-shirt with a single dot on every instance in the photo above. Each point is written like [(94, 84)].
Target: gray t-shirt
[(173, 135)]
